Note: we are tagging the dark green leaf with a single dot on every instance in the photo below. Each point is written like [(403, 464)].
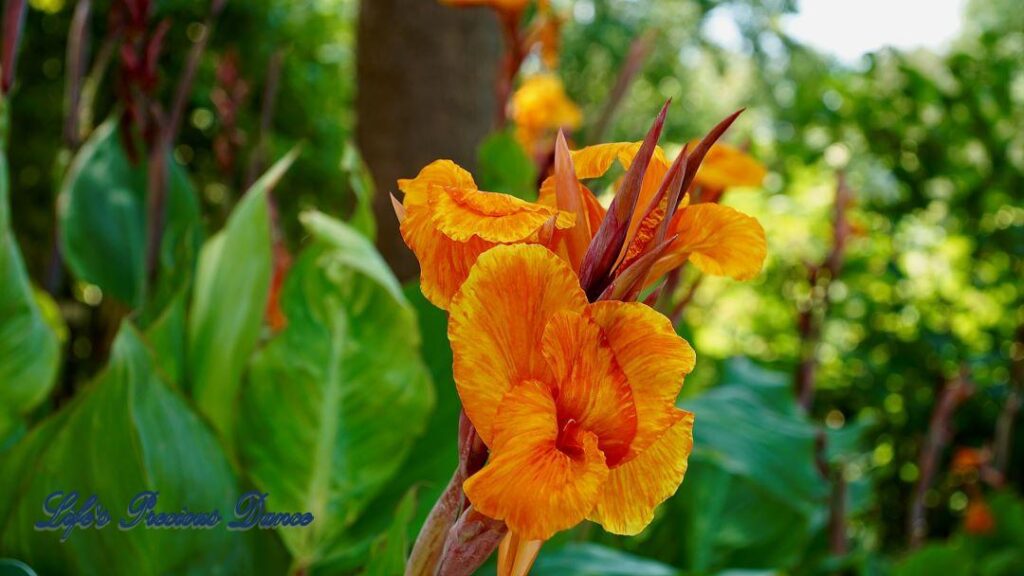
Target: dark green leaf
[(127, 432), (102, 212), (29, 347), (752, 497), (947, 559), (595, 560)]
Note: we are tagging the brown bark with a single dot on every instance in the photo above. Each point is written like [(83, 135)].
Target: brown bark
[(426, 78)]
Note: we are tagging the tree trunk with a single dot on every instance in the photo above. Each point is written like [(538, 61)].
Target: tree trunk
[(426, 78)]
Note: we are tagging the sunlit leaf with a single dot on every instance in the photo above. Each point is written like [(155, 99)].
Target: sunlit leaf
[(361, 182), (230, 297), (333, 404)]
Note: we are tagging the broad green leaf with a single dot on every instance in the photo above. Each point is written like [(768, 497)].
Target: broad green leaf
[(390, 551), (102, 213), (125, 433), (333, 403), (229, 301), (752, 497), (361, 182), (503, 166), (435, 454), (595, 560), (29, 346)]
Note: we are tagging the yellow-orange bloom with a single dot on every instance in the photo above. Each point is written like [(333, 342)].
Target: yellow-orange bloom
[(575, 400), (539, 107)]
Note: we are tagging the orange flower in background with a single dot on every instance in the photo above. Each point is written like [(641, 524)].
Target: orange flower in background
[(511, 6), (539, 107), (978, 519), (575, 400)]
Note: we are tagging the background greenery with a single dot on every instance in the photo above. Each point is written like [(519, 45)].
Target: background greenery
[(183, 385)]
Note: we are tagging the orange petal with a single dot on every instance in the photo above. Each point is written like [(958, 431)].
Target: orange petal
[(528, 482), (443, 173), (636, 488), (726, 166), (497, 323), (462, 213), (655, 360), (719, 240), (444, 263), (448, 223), (592, 388)]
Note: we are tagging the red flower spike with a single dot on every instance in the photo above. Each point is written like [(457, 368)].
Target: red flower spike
[(628, 285), (596, 269), (695, 158)]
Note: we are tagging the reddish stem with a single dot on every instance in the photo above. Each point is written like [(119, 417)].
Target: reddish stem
[(954, 393)]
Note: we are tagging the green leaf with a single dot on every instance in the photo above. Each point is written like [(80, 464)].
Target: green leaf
[(10, 567), (332, 404), (390, 551), (229, 302), (361, 182), (435, 454), (126, 432), (595, 560), (752, 497), (29, 346), (102, 214), (503, 166), (947, 559)]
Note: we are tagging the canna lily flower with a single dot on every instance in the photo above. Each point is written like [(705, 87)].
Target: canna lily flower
[(539, 107), (725, 167), (569, 384), (575, 400)]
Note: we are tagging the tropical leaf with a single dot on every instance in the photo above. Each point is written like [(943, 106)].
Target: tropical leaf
[(596, 560), (126, 433), (29, 346), (389, 552), (361, 182), (102, 214), (229, 300), (332, 404), (752, 497)]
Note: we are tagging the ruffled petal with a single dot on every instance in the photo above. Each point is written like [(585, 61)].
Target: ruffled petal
[(462, 213), (655, 360), (634, 489), (497, 322), (719, 240), (444, 263), (448, 223), (528, 482), (593, 393)]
